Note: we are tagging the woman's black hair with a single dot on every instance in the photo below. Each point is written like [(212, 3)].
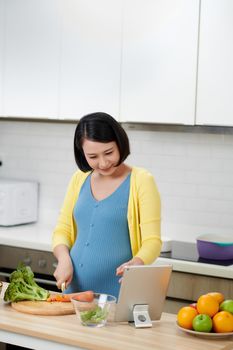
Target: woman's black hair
[(100, 127)]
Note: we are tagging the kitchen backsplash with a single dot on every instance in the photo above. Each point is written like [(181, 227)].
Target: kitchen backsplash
[(193, 171)]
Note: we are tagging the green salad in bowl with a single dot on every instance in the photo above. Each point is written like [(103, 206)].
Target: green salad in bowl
[(94, 313)]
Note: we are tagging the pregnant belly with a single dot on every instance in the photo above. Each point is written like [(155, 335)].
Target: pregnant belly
[(97, 272)]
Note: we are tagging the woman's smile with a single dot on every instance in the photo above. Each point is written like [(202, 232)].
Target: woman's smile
[(102, 157)]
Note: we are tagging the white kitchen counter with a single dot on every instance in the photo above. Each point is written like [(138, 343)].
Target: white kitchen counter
[(36, 236), (32, 236), (199, 268)]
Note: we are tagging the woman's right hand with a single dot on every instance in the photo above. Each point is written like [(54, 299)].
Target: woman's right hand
[(64, 269)]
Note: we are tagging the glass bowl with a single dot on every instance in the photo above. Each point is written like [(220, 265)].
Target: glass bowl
[(97, 312)]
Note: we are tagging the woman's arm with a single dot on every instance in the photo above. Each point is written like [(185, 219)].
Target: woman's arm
[(149, 218), (64, 269)]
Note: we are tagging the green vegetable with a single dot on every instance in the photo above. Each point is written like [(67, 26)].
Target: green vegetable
[(96, 315), (23, 286)]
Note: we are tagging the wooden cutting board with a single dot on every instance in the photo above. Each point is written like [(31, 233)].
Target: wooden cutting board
[(44, 308)]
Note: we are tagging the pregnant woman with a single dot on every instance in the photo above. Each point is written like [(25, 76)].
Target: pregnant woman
[(110, 217)]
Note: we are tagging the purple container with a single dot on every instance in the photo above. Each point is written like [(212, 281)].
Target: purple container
[(215, 247)]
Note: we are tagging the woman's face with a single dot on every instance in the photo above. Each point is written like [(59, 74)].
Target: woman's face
[(101, 157)]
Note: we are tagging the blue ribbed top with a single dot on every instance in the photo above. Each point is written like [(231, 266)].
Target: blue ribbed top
[(102, 242)]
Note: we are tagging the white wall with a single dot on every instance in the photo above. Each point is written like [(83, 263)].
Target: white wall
[(193, 170)]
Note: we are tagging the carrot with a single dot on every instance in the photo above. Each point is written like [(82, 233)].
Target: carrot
[(58, 297), (87, 296)]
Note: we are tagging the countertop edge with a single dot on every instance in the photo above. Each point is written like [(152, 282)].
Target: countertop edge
[(198, 268)]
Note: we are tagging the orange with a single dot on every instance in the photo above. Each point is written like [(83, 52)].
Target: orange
[(218, 296), (223, 322), (207, 304), (185, 317)]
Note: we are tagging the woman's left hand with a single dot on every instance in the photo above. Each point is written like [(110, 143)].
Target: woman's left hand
[(134, 261)]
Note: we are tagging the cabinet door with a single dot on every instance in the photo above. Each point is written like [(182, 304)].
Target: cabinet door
[(91, 54), (215, 72), (159, 61), (2, 7), (32, 58)]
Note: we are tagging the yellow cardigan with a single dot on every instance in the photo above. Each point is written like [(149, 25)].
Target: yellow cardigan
[(143, 215)]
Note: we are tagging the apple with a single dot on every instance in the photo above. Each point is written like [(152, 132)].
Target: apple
[(227, 305), (202, 323), (194, 305)]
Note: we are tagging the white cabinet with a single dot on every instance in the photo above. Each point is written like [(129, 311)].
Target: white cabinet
[(31, 76), (159, 61), (215, 68), (62, 58), (2, 44), (90, 58)]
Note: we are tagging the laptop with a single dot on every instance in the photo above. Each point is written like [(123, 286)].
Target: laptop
[(142, 294)]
